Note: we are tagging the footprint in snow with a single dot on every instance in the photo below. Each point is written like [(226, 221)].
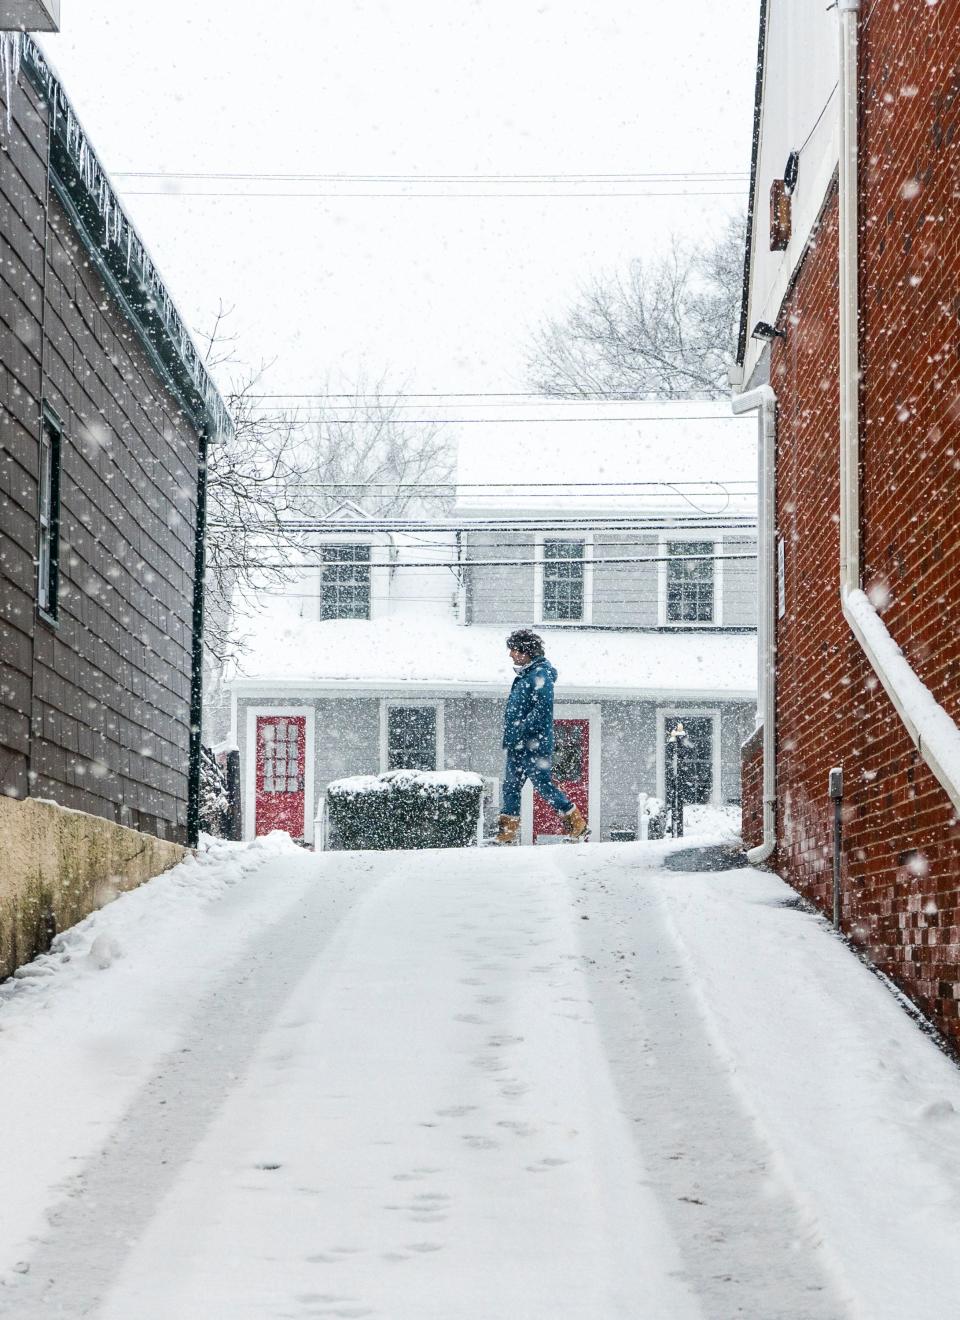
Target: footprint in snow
[(545, 1165)]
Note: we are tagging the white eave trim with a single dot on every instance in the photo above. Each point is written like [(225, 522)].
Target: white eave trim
[(393, 687)]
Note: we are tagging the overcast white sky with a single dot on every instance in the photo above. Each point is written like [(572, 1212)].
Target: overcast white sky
[(440, 292)]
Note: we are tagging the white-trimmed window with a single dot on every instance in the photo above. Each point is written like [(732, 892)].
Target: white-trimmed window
[(411, 735), (699, 764), (563, 579), (345, 581), (690, 583), (48, 541)]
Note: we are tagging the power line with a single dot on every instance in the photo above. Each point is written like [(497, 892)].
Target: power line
[(376, 410), (617, 543), (500, 563), (518, 600), (595, 523), (675, 486), (422, 196), (600, 396), (549, 177), (513, 421)]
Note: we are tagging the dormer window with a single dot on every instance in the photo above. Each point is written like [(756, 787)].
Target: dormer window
[(345, 582)]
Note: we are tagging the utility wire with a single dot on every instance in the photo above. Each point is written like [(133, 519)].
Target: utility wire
[(550, 176), (694, 486), (498, 563), (422, 196), (526, 421), (601, 396)]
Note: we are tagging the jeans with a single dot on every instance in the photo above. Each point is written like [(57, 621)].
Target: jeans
[(519, 768)]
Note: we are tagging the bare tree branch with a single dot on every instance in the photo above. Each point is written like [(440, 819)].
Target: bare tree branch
[(663, 330), (278, 468)]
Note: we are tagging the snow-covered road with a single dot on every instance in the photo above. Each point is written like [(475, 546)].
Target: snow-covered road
[(556, 1083)]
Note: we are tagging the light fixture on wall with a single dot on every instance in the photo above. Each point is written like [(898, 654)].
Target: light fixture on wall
[(791, 172), (764, 330)]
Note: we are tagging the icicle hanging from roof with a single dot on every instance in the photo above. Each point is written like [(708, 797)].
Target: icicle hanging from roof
[(118, 233), (10, 47)]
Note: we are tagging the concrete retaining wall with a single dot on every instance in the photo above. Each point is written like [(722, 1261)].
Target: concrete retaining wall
[(57, 866)]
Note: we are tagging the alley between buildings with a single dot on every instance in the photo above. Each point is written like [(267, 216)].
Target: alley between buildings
[(537, 1083)]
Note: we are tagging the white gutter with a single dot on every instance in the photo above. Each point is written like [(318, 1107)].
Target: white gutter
[(764, 398), (931, 729)]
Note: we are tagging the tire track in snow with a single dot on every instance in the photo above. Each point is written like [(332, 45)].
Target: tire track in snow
[(109, 1203), (747, 1246)]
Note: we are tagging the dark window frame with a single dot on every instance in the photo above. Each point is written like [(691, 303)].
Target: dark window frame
[(49, 515), (563, 580), (345, 580), (697, 768), (690, 586), (399, 752)]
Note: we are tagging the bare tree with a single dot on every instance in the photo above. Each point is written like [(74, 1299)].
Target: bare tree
[(250, 475), (666, 329), (280, 470), (362, 448)]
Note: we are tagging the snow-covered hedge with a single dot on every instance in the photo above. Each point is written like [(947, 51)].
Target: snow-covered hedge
[(405, 809)]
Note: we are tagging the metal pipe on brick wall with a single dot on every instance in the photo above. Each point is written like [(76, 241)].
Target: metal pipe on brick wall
[(932, 730), (764, 399)]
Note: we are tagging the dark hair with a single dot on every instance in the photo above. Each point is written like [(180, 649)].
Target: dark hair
[(527, 641)]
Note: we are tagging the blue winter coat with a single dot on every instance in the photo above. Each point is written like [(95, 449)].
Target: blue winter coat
[(528, 718)]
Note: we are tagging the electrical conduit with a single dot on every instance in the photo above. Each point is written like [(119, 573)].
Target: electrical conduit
[(764, 398)]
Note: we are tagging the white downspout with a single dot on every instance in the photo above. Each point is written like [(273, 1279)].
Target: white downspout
[(932, 730), (764, 398)]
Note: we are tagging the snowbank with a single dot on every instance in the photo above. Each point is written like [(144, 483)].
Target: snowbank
[(859, 1108), (82, 1026)]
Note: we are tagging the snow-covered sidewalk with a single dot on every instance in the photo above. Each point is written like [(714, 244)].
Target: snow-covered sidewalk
[(538, 1083)]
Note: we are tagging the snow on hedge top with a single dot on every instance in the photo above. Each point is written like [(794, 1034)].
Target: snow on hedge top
[(433, 781), (403, 651), (687, 456)]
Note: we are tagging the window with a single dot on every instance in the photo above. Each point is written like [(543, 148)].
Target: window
[(412, 738), (568, 752), (280, 750), (695, 764), (690, 582), (563, 580), (345, 582), (48, 551)]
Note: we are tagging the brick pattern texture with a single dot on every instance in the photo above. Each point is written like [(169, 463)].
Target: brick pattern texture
[(751, 790), (901, 860)]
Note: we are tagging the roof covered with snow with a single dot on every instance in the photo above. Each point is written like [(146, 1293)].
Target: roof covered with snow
[(284, 649), (117, 248), (687, 456)]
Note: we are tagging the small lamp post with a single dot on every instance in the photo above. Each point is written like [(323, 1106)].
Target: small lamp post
[(678, 745)]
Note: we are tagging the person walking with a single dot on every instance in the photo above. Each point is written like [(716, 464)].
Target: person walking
[(528, 739)]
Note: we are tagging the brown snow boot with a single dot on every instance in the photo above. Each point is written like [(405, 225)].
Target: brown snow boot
[(509, 825), (574, 823)]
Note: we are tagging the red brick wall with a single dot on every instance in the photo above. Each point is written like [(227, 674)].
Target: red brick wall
[(751, 790), (901, 882)]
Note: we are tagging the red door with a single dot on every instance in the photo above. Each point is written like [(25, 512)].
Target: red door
[(571, 771), (280, 767)]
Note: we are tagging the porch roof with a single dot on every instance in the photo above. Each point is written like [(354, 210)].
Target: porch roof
[(420, 655)]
